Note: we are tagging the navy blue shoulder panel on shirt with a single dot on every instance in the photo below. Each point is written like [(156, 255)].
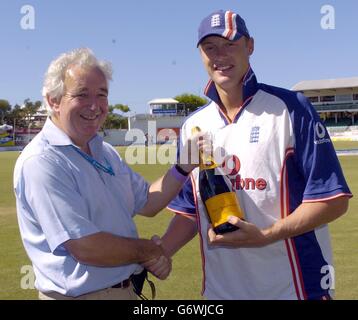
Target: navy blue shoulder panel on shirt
[(315, 162), (184, 201)]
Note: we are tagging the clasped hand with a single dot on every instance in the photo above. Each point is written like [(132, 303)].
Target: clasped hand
[(161, 266)]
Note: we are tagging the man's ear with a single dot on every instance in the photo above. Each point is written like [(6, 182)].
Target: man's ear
[(251, 45), (53, 102)]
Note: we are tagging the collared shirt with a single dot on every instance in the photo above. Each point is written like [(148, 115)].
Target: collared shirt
[(60, 196), (280, 155)]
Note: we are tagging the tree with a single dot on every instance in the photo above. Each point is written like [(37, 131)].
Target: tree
[(5, 108), (121, 107), (191, 101), (23, 115), (115, 120), (30, 108), (16, 113)]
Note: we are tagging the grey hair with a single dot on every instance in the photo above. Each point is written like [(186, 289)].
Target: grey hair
[(53, 86)]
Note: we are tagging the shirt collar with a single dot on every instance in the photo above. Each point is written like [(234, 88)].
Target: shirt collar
[(250, 87), (57, 137)]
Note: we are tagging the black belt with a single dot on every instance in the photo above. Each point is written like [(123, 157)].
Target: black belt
[(123, 284)]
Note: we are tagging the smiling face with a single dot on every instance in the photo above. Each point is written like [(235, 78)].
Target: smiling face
[(226, 61), (84, 104)]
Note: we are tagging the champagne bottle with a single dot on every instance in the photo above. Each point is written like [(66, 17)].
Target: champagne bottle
[(215, 189)]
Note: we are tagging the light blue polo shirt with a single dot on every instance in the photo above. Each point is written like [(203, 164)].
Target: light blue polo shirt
[(61, 196)]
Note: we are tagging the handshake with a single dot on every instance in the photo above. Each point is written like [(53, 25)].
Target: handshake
[(161, 265)]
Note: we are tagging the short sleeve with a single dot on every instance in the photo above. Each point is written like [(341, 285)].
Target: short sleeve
[(316, 156), (184, 202)]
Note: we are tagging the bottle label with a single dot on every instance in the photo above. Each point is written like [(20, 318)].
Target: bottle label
[(221, 206)]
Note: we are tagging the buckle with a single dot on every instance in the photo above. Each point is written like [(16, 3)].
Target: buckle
[(124, 284)]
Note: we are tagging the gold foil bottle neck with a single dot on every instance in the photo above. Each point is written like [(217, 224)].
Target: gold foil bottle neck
[(206, 160)]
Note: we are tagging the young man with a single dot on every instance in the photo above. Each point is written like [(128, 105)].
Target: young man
[(76, 198), (286, 176)]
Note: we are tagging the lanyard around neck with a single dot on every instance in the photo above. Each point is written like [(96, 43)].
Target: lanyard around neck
[(95, 163)]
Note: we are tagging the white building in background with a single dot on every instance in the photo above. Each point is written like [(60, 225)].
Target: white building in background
[(336, 100), (166, 106)]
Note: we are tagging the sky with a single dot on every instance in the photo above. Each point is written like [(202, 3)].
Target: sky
[(152, 44)]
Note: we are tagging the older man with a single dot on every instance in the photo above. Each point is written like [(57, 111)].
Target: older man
[(76, 198)]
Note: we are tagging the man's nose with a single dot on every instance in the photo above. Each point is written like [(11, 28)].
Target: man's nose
[(93, 103)]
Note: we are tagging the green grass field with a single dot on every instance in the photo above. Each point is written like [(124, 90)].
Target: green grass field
[(186, 278)]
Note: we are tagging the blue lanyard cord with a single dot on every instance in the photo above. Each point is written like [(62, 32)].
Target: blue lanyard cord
[(95, 163)]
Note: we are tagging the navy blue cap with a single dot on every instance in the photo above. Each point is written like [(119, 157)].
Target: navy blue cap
[(226, 24)]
